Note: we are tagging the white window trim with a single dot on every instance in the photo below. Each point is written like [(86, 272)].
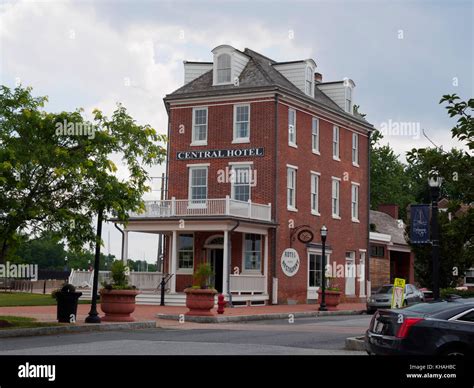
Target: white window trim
[(356, 162), (353, 259), (288, 206), (313, 251), (315, 150), (184, 271), (190, 168), (290, 143), (215, 68), (355, 184), (251, 271), (334, 215), (311, 81), (315, 212), (232, 184), (200, 142), (235, 139), (338, 156)]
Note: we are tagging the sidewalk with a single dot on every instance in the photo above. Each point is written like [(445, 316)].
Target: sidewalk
[(150, 312)]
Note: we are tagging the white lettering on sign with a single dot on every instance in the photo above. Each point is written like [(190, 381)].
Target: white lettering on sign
[(214, 154), (290, 262)]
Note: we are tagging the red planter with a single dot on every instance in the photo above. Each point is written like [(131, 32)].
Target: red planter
[(200, 302), (118, 305), (333, 298)]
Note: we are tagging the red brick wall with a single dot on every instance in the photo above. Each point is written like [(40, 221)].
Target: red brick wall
[(344, 235)]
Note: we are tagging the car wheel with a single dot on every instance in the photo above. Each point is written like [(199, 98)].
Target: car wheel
[(454, 351)]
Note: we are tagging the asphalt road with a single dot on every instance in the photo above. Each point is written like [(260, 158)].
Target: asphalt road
[(303, 336)]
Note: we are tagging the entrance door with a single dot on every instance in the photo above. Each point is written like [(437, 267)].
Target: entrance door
[(362, 274), (350, 273), (216, 258)]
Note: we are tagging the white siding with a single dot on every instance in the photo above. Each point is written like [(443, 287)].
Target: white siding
[(294, 72), (239, 63), (195, 70), (335, 91)]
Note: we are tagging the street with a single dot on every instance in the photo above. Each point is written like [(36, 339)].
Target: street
[(305, 336)]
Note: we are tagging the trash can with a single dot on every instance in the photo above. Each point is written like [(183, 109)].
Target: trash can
[(67, 299)]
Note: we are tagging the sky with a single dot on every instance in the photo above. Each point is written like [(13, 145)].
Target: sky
[(402, 55)]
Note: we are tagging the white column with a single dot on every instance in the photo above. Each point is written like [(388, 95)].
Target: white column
[(125, 246), (225, 263), (265, 263), (174, 257)]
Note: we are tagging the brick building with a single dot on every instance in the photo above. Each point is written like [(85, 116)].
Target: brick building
[(261, 154)]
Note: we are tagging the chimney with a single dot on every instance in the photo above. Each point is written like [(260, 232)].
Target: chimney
[(390, 209), (318, 77)]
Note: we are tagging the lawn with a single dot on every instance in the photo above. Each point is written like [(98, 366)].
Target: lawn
[(12, 322), (11, 299)]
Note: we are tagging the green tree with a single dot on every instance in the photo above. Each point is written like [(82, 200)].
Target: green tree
[(389, 182), (62, 180)]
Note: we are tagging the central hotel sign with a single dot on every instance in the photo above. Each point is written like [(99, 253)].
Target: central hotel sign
[(216, 154)]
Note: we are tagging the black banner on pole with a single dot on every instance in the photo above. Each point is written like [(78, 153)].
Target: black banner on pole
[(420, 224)]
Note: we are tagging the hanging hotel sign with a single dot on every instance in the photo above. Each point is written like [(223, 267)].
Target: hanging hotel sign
[(290, 262), (419, 224), (216, 154)]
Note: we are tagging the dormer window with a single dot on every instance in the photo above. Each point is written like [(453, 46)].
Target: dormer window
[(348, 99), (224, 69), (309, 80)]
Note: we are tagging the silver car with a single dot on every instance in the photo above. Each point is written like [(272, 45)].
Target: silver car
[(382, 298)]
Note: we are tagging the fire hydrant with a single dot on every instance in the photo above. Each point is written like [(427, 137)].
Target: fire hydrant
[(221, 304)]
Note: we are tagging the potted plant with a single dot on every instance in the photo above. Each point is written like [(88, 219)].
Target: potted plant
[(332, 293), (67, 299), (200, 297), (118, 297)]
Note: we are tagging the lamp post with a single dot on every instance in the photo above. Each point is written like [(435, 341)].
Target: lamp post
[(435, 183), (322, 305)]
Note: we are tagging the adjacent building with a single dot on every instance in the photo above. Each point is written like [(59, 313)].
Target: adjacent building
[(261, 155)]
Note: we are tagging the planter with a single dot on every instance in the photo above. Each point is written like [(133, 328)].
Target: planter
[(200, 302), (118, 305), (333, 298)]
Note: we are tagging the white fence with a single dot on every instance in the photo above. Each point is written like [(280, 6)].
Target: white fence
[(247, 283), (141, 280), (206, 207)]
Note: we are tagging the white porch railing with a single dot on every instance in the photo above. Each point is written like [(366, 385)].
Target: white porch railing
[(206, 207), (247, 283), (141, 280)]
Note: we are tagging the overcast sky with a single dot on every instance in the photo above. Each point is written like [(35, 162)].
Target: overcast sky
[(403, 56)]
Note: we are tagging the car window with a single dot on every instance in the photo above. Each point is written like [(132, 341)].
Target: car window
[(469, 317), (384, 290)]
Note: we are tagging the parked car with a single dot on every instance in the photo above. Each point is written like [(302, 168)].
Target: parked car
[(382, 298), (434, 328), (428, 294)]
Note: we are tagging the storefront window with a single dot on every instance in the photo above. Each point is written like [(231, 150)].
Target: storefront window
[(252, 252)]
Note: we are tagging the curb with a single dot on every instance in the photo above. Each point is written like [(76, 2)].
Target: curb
[(257, 317), (355, 343), (74, 328)]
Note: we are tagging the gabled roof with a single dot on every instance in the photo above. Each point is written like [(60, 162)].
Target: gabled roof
[(386, 224), (258, 75)]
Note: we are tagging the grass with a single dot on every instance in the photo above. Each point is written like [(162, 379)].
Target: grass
[(12, 299), (11, 322)]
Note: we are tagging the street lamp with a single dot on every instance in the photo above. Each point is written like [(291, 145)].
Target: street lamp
[(322, 305), (435, 183)]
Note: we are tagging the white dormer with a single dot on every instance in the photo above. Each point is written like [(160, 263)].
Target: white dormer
[(341, 92), (300, 73), (227, 65)]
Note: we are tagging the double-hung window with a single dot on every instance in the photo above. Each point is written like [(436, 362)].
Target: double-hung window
[(185, 252), (252, 252), (241, 180), (314, 193), (291, 187), (335, 142), (241, 123), (292, 127), (199, 135), (224, 69), (336, 183), (315, 270), (355, 149), (348, 99), (309, 81), (315, 135), (197, 186), (355, 202)]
